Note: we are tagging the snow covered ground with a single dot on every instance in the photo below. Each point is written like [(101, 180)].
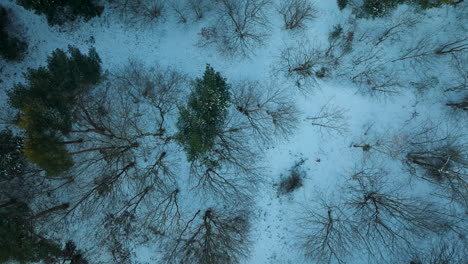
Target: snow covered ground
[(329, 155)]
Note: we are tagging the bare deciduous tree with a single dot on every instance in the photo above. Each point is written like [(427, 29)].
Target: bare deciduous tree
[(445, 165), (384, 217), (213, 236), (267, 111), (300, 63), (328, 235), (141, 12), (241, 26), (330, 118), (296, 13)]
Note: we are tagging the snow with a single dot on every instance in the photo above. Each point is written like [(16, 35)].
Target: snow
[(329, 156)]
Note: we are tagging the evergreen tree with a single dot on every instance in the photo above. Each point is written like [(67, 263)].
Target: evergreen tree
[(11, 48), (59, 12), (46, 103), (342, 4), (12, 161), (18, 240), (203, 119)]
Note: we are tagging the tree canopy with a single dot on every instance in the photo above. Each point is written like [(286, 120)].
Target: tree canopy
[(203, 119), (46, 103)]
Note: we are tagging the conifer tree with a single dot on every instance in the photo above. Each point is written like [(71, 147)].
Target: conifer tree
[(18, 239), (203, 119), (62, 11), (11, 48), (12, 162), (46, 103)]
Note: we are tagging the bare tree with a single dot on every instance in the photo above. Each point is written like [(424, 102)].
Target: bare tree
[(446, 250), (445, 165), (118, 156), (231, 169), (384, 218), (212, 236), (461, 105), (296, 13), (268, 111), (191, 8), (330, 118), (241, 26), (327, 233), (141, 12), (300, 63)]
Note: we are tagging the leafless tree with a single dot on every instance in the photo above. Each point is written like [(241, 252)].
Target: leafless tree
[(300, 63), (212, 236), (230, 170), (191, 8), (327, 233), (446, 250), (296, 13), (330, 118), (118, 155), (241, 26), (266, 110), (461, 105), (445, 165), (141, 12), (385, 218)]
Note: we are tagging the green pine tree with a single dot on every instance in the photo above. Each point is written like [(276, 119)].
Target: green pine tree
[(46, 104), (342, 4), (59, 12), (11, 48), (18, 239), (203, 119)]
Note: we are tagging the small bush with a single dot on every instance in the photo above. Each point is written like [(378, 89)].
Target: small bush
[(293, 180)]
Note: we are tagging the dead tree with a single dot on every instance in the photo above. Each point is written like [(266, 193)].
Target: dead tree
[(240, 28), (296, 13), (212, 236)]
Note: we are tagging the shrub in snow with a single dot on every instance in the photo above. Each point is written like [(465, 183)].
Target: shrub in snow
[(293, 180)]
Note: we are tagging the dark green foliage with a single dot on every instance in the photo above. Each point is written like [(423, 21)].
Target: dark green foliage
[(377, 8), (11, 48), (12, 161), (342, 4), (46, 103), (18, 240), (72, 254), (48, 152), (59, 12), (203, 119)]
